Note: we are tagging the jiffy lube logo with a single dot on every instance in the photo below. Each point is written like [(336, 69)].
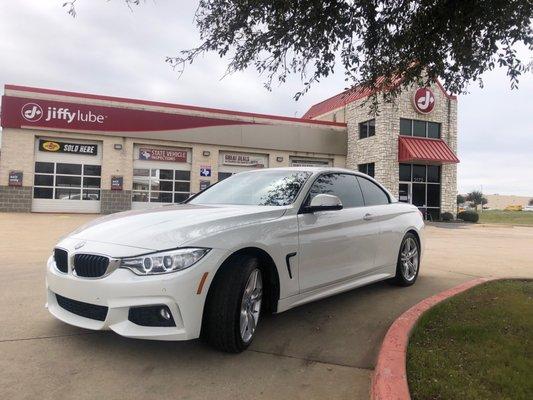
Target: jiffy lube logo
[(33, 112), (424, 100)]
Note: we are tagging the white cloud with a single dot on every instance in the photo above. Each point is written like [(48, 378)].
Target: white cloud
[(110, 50)]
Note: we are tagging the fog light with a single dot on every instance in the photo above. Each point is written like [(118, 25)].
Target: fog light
[(165, 313)]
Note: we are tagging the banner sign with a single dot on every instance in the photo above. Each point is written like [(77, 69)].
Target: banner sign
[(117, 182), (20, 112), (244, 160), (64, 147), (204, 185), (15, 178), (162, 155)]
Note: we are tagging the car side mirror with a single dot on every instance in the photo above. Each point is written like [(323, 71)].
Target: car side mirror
[(324, 202)]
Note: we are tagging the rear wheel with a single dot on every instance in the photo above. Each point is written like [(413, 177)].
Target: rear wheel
[(233, 308), (408, 263)]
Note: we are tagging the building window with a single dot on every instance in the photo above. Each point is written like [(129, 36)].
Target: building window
[(64, 181), (160, 185), (414, 127), (421, 186), (367, 128), (368, 169)]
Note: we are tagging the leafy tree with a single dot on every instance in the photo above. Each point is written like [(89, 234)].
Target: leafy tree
[(377, 42), (460, 199), (476, 198)]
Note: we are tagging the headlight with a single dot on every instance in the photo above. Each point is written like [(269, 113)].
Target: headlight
[(163, 262)]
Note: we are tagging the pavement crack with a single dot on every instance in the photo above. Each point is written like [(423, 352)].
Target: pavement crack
[(310, 360), (48, 337)]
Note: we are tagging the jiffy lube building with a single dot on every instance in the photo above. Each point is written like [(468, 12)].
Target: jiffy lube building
[(74, 152)]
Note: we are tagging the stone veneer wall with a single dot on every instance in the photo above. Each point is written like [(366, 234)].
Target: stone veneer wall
[(382, 149), (113, 201), (15, 198)]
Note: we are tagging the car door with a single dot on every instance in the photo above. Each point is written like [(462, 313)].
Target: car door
[(335, 245), (379, 209)]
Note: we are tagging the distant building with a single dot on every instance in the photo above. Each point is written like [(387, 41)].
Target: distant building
[(499, 202)]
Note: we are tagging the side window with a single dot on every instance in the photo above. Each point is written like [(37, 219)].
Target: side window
[(372, 193), (344, 186)]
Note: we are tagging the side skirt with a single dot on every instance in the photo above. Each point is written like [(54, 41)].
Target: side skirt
[(335, 288)]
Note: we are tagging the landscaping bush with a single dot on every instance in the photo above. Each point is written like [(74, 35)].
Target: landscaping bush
[(468, 216), (446, 216)]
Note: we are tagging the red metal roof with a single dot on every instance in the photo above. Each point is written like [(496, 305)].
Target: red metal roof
[(350, 95), (412, 149)]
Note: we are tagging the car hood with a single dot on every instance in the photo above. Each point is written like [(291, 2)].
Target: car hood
[(172, 226)]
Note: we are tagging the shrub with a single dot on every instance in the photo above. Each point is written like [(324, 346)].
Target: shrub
[(446, 216), (468, 216)]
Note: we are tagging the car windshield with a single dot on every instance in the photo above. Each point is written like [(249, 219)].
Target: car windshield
[(264, 188)]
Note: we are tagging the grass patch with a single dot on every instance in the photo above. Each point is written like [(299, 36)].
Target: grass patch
[(476, 345), (506, 217)]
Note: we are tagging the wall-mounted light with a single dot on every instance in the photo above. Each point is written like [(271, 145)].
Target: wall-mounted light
[(117, 146), (279, 159), (206, 153)]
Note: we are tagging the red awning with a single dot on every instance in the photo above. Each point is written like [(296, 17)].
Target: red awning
[(415, 149)]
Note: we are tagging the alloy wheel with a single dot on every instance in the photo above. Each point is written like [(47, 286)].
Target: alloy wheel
[(251, 305), (409, 259)]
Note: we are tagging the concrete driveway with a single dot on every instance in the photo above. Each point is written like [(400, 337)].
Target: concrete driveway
[(322, 350)]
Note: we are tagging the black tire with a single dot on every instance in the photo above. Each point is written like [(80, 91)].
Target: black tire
[(400, 279), (221, 321)]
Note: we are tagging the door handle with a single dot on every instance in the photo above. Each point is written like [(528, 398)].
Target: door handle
[(368, 217)]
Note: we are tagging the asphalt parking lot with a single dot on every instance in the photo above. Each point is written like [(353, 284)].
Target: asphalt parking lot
[(322, 350)]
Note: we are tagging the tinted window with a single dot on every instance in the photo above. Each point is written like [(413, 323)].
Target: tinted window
[(372, 193), (43, 180), (44, 167), (68, 169), (419, 173), (367, 129), (405, 172), (419, 194), (93, 170), (68, 181), (433, 199), (166, 174), (419, 128), (433, 173), (368, 169), (406, 127), (344, 186), (433, 130), (43, 193), (183, 175)]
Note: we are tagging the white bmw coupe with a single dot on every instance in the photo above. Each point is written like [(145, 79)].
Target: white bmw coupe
[(260, 241)]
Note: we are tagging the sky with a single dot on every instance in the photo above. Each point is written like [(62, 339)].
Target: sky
[(112, 50)]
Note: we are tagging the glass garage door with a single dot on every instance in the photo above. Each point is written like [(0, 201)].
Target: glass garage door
[(66, 187), (153, 186)]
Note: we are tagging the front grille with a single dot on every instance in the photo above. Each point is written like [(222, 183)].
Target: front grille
[(90, 265), (61, 259), (91, 311)]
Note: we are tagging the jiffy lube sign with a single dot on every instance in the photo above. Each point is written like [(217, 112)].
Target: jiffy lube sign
[(33, 112), (22, 112)]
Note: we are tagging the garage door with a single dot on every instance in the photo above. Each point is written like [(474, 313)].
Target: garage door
[(67, 176), (160, 176)]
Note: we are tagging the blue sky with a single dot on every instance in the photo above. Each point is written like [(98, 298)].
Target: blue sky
[(111, 50)]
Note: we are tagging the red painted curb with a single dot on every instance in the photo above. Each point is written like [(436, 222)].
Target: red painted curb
[(389, 381)]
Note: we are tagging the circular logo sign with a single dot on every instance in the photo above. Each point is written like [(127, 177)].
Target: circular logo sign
[(424, 100), (32, 112)]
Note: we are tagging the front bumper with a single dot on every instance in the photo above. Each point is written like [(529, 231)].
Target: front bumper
[(122, 289)]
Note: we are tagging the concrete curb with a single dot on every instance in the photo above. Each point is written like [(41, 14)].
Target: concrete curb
[(389, 380)]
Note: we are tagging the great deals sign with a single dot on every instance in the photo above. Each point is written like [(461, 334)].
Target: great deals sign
[(18, 112)]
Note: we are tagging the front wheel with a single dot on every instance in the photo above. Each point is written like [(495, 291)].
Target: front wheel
[(234, 305), (408, 263)]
